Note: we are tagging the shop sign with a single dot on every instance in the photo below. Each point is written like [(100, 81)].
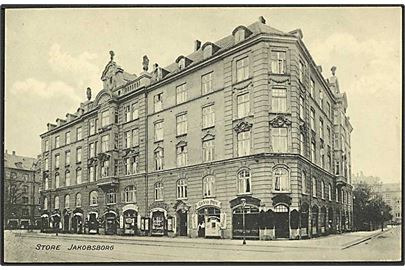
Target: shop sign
[(208, 202)]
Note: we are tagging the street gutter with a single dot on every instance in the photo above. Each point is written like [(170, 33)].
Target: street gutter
[(357, 242)]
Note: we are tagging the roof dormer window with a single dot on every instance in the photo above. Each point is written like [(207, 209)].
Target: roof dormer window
[(207, 52), (209, 49), (183, 62), (241, 33)]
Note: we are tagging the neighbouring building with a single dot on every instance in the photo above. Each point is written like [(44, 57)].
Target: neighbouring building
[(21, 192), (391, 193), (246, 125)]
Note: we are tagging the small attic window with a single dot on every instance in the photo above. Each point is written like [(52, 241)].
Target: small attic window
[(207, 52), (209, 49), (182, 63), (240, 35)]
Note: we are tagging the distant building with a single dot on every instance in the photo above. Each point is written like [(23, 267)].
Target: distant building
[(391, 194), (21, 191), (243, 125)]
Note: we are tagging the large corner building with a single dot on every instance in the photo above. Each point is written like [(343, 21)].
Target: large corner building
[(243, 126)]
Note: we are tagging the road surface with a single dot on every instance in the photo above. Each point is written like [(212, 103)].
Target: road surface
[(356, 246)]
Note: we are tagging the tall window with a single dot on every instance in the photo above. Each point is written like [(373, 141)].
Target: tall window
[(312, 88), (46, 164), (93, 198), (243, 105), (46, 145), (92, 129), (67, 158), (67, 137), (78, 176), (159, 131), (329, 192), (57, 180), (278, 64), (45, 203), (243, 143), (91, 174), (135, 111), (129, 166), (302, 144), (135, 137), (312, 123), (181, 93), (67, 201), (313, 157), (92, 150), (56, 200), (127, 139), (181, 155), (78, 133), (208, 150), (328, 109), (158, 191), (181, 122), (57, 159), (313, 187), (301, 71), (105, 143), (279, 100), (105, 118), (111, 197), (321, 99), (279, 139), (57, 142), (127, 113), (321, 133), (182, 189), (130, 194), (281, 180), (79, 155), (208, 186), (78, 200), (322, 190), (206, 83), (242, 69), (208, 116), (158, 102), (159, 156), (304, 183), (302, 102), (67, 178), (105, 167), (244, 184), (337, 194)]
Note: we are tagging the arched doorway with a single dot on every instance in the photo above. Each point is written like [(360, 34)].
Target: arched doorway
[(93, 223), (209, 222), (304, 211), (314, 220), (181, 216), (159, 224), (281, 221), (251, 213), (66, 219), (56, 222), (77, 223), (130, 222), (110, 223), (45, 223)]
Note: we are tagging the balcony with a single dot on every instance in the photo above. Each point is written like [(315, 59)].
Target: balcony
[(107, 182), (341, 181)]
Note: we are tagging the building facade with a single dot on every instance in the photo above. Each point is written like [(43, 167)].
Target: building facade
[(242, 128), (391, 194), (21, 192)]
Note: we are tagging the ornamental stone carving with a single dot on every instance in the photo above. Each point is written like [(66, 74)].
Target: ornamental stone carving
[(243, 126), (280, 121)]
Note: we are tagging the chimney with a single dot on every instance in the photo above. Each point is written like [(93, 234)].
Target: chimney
[(197, 45), (13, 153), (50, 126), (262, 20), (60, 122)]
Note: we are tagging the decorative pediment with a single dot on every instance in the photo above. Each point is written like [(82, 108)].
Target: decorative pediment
[(276, 80), (280, 121), (129, 152), (281, 198), (243, 126), (208, 137), (181, 206), (243, 85), (181, 143)]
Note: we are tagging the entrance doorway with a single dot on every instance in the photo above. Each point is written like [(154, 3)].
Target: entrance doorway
[(158, 223), (93, 223), (77, 224), (251, 222), (110, 223), (66, 223), (282, 225), (182, 223), (209, 219)]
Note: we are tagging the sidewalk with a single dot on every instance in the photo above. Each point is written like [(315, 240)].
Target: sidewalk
[(335, 241)]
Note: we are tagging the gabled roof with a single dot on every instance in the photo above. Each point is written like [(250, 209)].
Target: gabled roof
[(19, 162)]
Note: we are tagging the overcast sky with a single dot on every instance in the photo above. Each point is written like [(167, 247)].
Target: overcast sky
[(53, 55)]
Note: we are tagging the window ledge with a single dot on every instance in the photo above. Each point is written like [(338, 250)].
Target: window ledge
[(282, 192), (209, 127), (244, 194), (181, 135), (158, 141)]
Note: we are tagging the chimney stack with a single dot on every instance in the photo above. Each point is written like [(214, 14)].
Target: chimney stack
[(197, 45), (262, 20), (13, 153)]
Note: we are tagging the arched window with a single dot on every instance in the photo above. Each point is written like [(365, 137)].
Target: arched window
[(322, 190), (93, 197), (130, 194), (181, 189), (304, 183), (56, 202), (78, 200), (208, 186), (281, 208), (337, 194), (158, 191), (330, 192), (45, 203), (67, 178), (244, 184), (67, 201), (57, 180), (281, 180), (313, 187)]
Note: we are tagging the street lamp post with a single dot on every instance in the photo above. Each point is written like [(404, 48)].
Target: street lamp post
[(243, 220), (382, 220)]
